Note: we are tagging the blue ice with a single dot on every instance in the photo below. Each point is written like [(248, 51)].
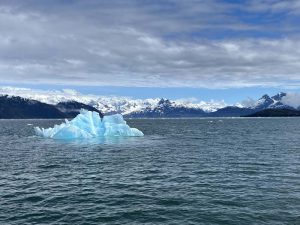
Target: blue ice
[(88, 124)]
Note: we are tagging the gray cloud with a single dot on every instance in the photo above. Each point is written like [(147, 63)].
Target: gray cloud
[(129, 43)]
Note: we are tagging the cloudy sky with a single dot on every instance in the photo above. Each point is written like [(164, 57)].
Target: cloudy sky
[(190, 48)]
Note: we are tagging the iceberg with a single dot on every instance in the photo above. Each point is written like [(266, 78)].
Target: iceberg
[(89, 124)]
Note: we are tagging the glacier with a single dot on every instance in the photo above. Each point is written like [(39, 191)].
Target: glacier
[(88, 124)]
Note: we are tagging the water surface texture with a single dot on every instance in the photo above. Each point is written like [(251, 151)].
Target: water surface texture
[(183, 171)]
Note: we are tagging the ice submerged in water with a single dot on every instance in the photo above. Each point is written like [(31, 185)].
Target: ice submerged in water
[(88, 124)]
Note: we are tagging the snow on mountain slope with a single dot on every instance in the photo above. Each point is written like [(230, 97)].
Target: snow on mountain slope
[(155, 106), (108, 104), (277, 101)]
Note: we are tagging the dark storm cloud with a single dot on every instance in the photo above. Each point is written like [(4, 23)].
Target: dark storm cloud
[(150, 43)]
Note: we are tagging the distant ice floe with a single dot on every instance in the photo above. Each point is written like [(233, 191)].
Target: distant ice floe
[(87, 125)]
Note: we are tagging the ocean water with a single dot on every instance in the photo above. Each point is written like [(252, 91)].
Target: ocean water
[(183, 171)]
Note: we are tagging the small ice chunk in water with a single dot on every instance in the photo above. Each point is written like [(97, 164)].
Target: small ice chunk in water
[(88, 124)]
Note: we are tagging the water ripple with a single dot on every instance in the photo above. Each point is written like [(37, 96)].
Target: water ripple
[(182, 172)]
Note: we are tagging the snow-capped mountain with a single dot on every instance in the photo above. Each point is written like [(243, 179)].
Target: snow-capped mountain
[(250, 106), (167, 108), (70, 100), (114, 104), (152, 107), (277, 101)]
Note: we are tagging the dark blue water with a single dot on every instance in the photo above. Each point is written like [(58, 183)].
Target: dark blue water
[(187, 171)]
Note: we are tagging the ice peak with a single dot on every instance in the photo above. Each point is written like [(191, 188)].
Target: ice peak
[(266, 97)]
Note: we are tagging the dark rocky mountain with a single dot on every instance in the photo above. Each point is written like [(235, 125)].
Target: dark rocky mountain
[(232, 111), (14, 107), (21, 108), (279, 96), (276, 113), (72, 108)]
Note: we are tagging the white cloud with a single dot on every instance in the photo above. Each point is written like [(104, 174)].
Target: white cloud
[(248, 103), (292, 99), (126, 43), (70, 92)]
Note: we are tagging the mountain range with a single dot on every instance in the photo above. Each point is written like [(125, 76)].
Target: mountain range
[(56, 106), (15, 107), (167, 108)]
